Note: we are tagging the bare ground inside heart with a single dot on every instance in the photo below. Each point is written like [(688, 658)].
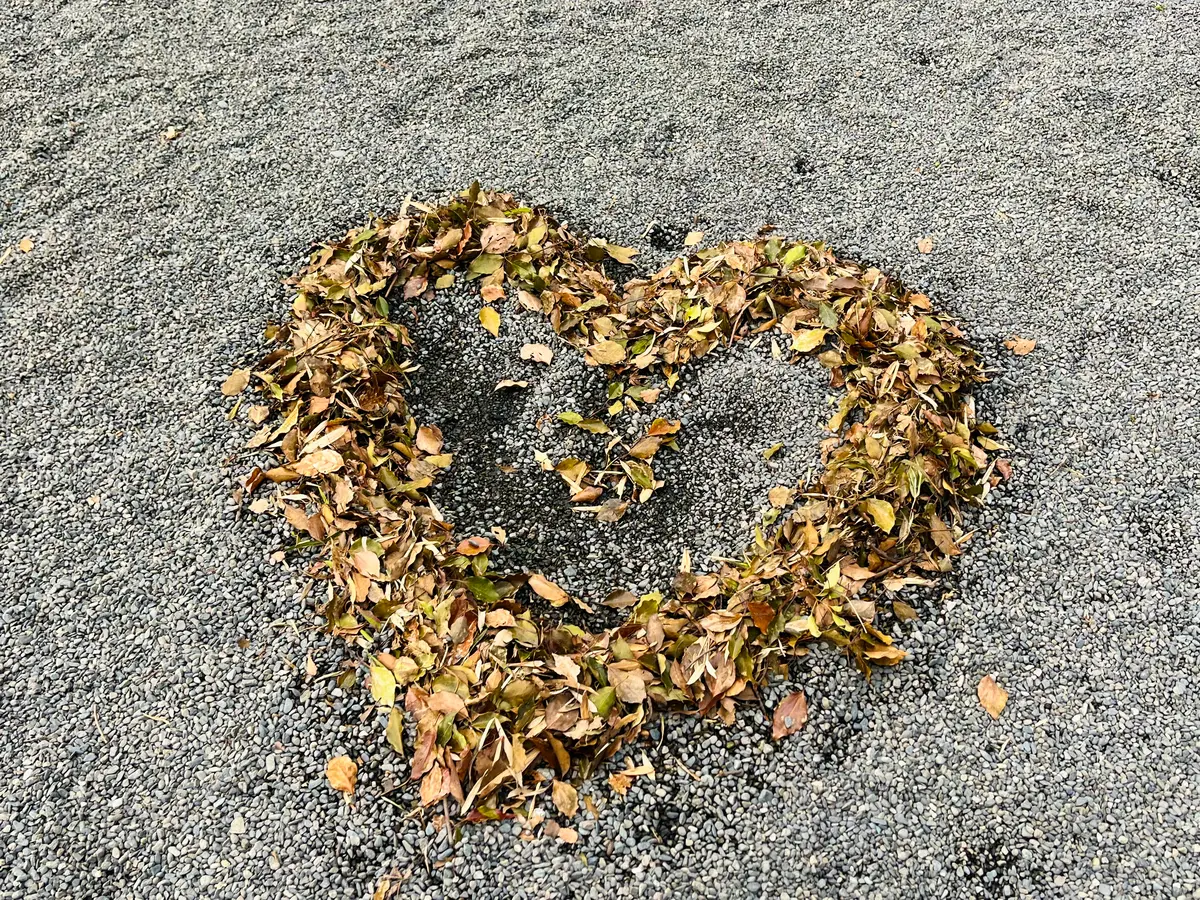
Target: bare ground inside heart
[(733, 404)]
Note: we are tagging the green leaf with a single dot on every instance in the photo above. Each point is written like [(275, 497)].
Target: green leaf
[(483, 589)]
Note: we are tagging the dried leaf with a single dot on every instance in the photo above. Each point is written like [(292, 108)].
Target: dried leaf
[(473, 546), (992, 697), (605, 353), (537, 352), (548, 590), (236, 382), (565, 798), (925, 244), (490, 320), (429, 439), (882, 513), (1020, 346), (790, 715), (342, 773)]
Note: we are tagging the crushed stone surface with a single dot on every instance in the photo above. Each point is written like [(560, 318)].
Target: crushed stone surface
[(161, 736)]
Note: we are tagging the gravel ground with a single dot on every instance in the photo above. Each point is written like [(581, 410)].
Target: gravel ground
[(162, 738)]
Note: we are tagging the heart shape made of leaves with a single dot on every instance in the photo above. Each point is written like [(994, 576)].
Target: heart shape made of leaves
[(497, 695)]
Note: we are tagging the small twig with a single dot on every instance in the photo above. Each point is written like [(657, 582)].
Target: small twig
[(96, 719)]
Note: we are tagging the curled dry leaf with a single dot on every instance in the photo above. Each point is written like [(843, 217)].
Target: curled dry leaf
[(429, 439), (565, 797), (992, 697), (790, 715), (342, 773)]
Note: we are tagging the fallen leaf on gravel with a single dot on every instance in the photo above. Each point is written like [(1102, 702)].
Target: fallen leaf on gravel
[(620, 783), (565, 797), (693, 238), (236, 382), (506, 383), (473, 546), (1020, 346), (903, 611), (772, 450), (258, 414), (548, 590), (395, 729), (537, 352), (925, 244), (342, 773), (429, 439), (992, 697), (490, 320), (790, 715)]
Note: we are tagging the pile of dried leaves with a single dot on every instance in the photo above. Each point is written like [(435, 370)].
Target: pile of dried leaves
[(499, 698)]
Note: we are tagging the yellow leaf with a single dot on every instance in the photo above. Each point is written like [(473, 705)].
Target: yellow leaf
[(490, 320), (395, 729), (26, 245), (809, 340), (693, 238), (992, 697), (342, 773), (883, 514), (383, 685)]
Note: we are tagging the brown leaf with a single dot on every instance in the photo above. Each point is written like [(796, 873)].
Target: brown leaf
[(429, 439), (236, 382), (992, 697), (780, 496), (1020, 346), (26, 245), (537, 352), (903, 611), (473, 546), (320, 462), (548, 590), (925, 244), (342, 773), (790, 715), (565, 798)]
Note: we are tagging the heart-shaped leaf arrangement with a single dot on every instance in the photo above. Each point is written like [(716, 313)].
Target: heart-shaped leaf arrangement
[(499, 697)]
